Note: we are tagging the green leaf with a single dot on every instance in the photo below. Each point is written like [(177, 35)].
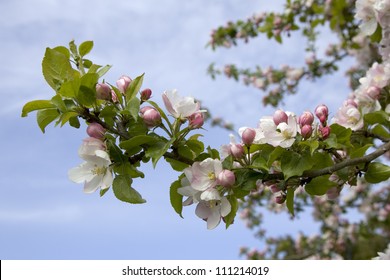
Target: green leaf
[(319, 185), (376, 117), (133, 107), (177, 165), (176, 198), (290, 200), (312, 144), (157, 150), (67, 116), (124, 192), (196, 146), (59, 103), (294, 164), (229, 219), (377, 36), (69, 89), (134, 87), (73, 48), (377, 172), (45, 117), (103, 191), (36, 105), (360, 151), (103, 70), (85, 47), (74, 122), (380, 130), (56, 68), (87, 92), (138, 141)]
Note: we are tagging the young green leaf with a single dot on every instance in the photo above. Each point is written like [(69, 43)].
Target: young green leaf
[(229, 219), (377, 172), (36, 105), (85, 47), (45, 117), (124, 192), (176, 198), (134, 87), (319, 185), (290, 200), (56, 68)]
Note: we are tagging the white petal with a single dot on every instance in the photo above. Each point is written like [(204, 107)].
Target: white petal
[(225, 207), (93, 185), (214, 219), (210, 194), (202, 210), (107, 180), (80, 173)]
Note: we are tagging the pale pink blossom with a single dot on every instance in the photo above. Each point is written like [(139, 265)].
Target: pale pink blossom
[(349, 116), (180, 107), (123, 83), (212, 211), (96, 130), (203, 175)]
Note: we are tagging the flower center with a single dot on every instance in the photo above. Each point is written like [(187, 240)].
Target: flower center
[(211, 176), (99, 170), (213, 203)]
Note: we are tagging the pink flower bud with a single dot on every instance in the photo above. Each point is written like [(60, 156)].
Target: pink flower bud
[(196, 120), (306, 131), (374, 92), (226, 178), (123, 83), (146, 94), (96, 130), (280, 117), (248, 136), (274, 188), (150, 116), (103, 91), (280, 199), (333, 193), (350, 102), (307, 118), (324, 131), (236, 150), (322, 113), (114, 97)]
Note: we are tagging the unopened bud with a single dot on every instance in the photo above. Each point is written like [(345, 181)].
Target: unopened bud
[(333, 193), (248, 135), (274, 188), (103, 91), (226, 178), (324, 131), (196, 120), (374, 92), (280, 199), (322, 113), (114, 97), (237, 151), (146, 94), (150, 116), (96, 130), (123, 83), (306, 131), (280, 117), (307, 118)]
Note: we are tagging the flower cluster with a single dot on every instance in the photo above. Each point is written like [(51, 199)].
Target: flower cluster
[(205, 183)]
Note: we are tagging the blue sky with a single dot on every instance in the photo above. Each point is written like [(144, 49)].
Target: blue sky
[(43, 215)]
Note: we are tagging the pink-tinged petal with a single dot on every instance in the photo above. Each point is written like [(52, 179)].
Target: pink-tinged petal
[(93, 185), (187, 191), (210, 194), (168, 104), (188, 201), (214, 219), (202, 210), (225, 207)]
